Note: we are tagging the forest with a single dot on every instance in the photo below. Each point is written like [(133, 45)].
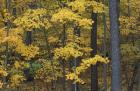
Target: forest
[(69, 45)]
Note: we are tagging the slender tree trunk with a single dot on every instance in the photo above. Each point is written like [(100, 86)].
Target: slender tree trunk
[(115, 45), (8, 2), (75, 87), (94, 71), (133, 79), (126, 63), (28, 41), (64, 78), (128, 1), (104, 45), (63, 61), (7, 24)]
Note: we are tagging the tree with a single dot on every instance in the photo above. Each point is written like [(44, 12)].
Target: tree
[(115, 45), (105, 52), (7, 24), (75, 87), (94, 71)]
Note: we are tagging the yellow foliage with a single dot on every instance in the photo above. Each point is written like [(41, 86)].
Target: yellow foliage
[(47, 73), (3, 72), (64, 15), (81, 5), (27, 51), (66, 52), (128, 25), (97, 7), (85, 22), (78, 5), (1, 84), (6, 15), (129, 50), (86, 63), (78, 43), (2, 35), (16, 79), (52, 39), (15, 41), (17, 64), (33, 19), (134, 4)]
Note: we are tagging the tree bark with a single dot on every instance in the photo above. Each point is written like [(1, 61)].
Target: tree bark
[(7, 24), (75, 62), (115, 45), (104, 45), (94, 71), (28, 39), (133, 79)]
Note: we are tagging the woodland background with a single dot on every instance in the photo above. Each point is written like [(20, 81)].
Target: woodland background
[(69, 45)]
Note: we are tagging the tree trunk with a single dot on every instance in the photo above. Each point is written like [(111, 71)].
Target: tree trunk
[(104, 45), (63, 61), (128, 1), (75, 62), (133, 79), (115, 45), (28, 39), (7, 25), (94, 71)]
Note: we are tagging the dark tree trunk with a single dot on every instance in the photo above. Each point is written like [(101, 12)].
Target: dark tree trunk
[(28, 39), (94, 71), (133, 78), (77, 31), (115, 45), (14, 11)]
